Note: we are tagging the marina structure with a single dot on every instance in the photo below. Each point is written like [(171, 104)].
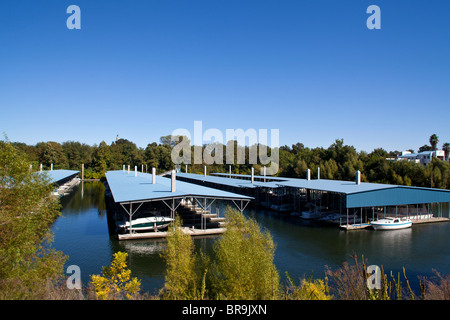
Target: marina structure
[(350, 204), (132, 195), (63, 180)]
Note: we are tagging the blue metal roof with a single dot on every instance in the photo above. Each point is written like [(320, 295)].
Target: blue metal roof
[(231, 182), (248, 176), (58, 175), (126, 187), (238, 183), (358, 195), (399, 195), (338, 186)]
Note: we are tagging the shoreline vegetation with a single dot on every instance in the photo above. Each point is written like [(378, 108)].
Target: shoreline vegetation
[(241, 267), (338, 162)]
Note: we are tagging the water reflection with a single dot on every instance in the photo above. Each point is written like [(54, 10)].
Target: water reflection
[(302, 248), (85, 196)]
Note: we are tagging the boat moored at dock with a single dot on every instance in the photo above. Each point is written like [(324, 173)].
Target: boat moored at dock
[(391, 223), (147, 223)]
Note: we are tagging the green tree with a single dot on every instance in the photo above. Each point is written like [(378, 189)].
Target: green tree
[(101, 159), (27, 211), (51, 153), (434, 141), (77, 154), (446, 148), (243, 267), (115, 281), (125, 152), (181, 278)]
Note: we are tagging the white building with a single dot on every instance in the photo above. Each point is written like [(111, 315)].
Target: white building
[(423, 157)]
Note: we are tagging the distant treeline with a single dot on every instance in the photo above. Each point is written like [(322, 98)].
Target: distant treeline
[(338, 161)]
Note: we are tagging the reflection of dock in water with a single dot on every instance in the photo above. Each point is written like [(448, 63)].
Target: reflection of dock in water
[(163, 234)]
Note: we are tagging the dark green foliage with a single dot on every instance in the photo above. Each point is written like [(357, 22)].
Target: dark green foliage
[(339, 161)]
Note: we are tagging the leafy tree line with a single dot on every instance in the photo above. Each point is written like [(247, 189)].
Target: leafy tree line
[(339, 161)]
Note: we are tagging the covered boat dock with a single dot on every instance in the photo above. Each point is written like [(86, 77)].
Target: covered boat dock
[(62, 180), (136, 193), (350, 204)]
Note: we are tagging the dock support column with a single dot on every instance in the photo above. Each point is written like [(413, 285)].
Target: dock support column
[(241, 207), (130, 213), (172, 207), (204, 206)]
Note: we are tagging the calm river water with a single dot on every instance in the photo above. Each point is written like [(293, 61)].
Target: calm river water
[(303, 249)]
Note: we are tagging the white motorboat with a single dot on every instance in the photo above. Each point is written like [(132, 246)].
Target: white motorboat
[(310, 214), (391, 223), (315, 212), (148, 223)]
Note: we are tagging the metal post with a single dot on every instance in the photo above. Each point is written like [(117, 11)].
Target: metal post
[(253, 175), (173, 208), (204, 219), (131, 215), (173, 183), (153, 175), (82, 171)]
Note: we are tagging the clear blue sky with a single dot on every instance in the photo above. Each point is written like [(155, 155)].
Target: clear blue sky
[(311, 69)]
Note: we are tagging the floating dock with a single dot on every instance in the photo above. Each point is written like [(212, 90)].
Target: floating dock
[(356, 226), (430, 220), (163, 234), (360, 226)]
